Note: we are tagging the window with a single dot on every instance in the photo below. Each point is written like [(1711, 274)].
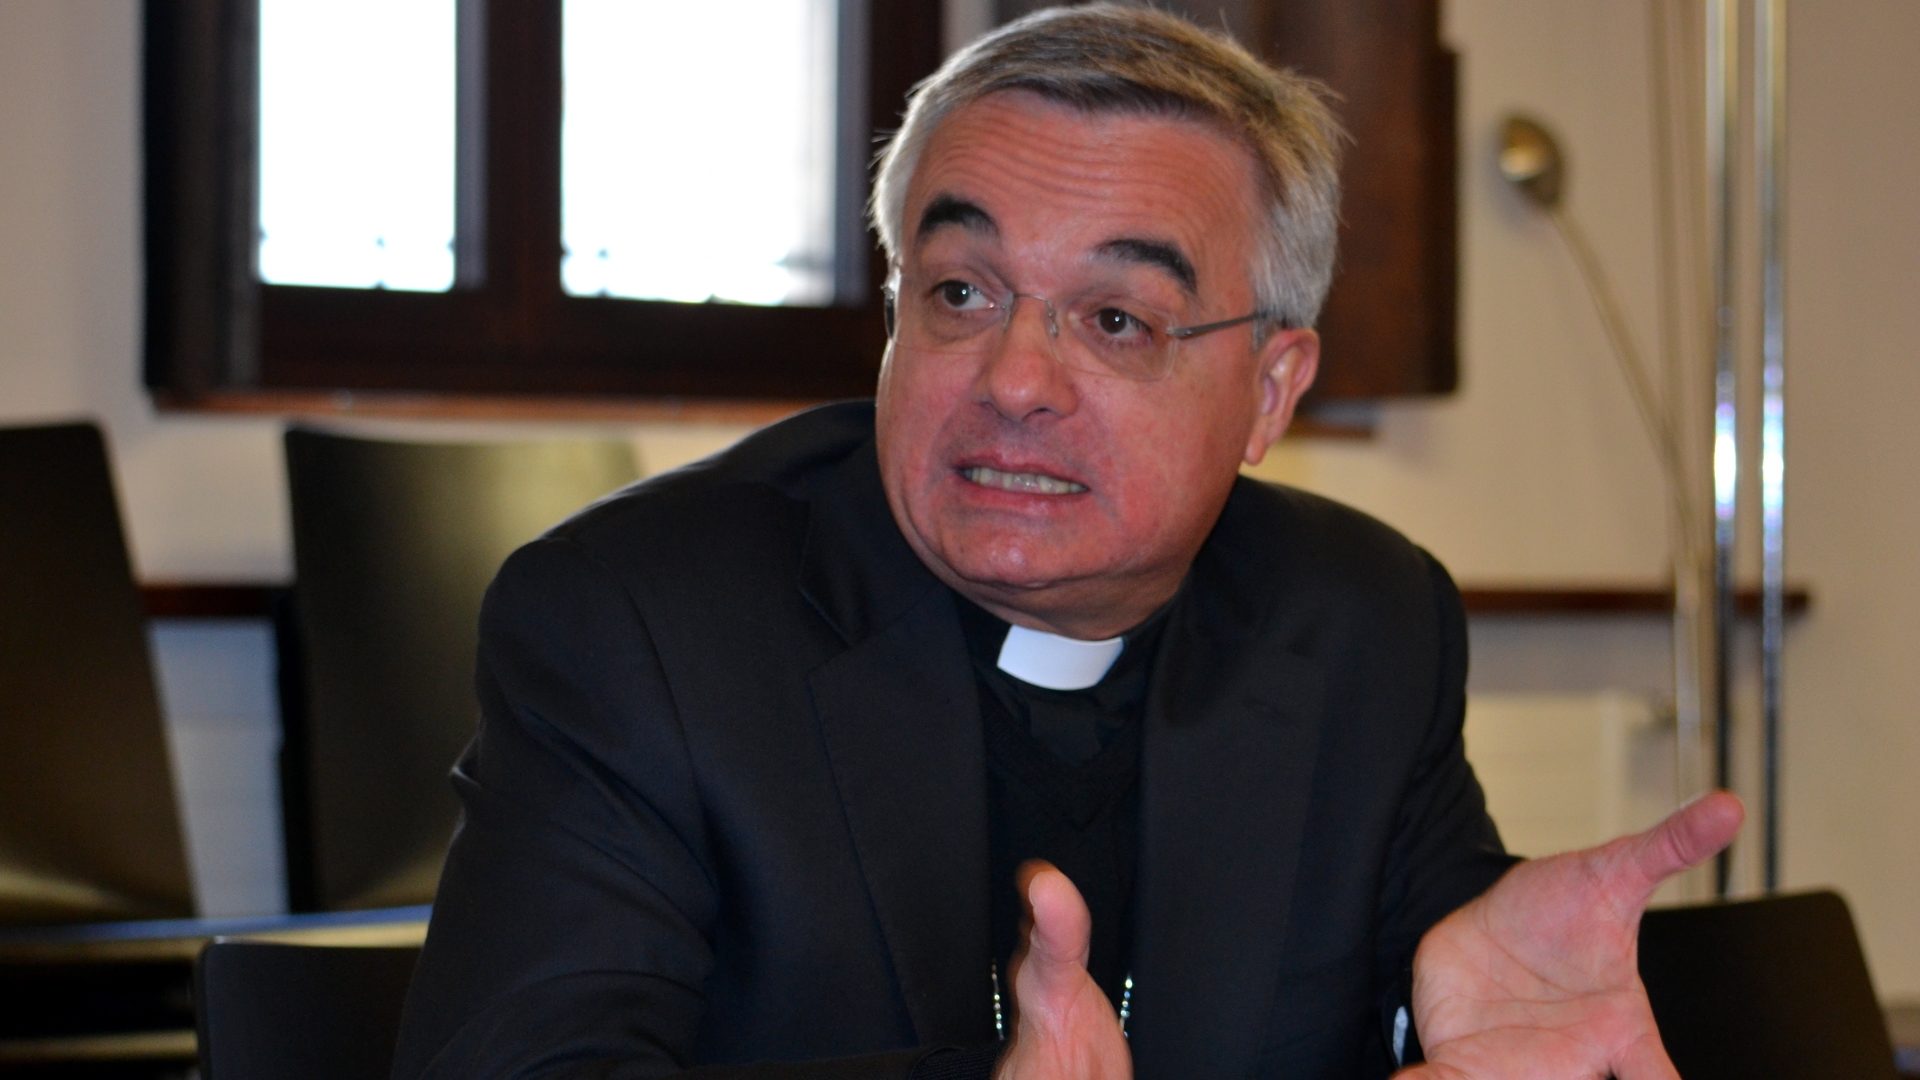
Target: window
[(356, 132), (532, 233), (754, 223)]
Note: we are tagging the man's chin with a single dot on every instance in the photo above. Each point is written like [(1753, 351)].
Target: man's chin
[(991, 584), (1004, 589), (1015, 573), (1056, 601)]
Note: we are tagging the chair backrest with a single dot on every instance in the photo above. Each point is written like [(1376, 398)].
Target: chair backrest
[(267, 1011), (89, 822), (394, 544), (1774, 987)]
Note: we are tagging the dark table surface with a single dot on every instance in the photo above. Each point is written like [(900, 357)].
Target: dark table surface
[(1903, 1023), (115, 1000)]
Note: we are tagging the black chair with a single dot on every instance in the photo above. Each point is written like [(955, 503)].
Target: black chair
[(394, 544), (267, 1011), (89, 824), (1775, 987)]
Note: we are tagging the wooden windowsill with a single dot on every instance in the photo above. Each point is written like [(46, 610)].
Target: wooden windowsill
[(209, 600), (1604, 600), (254, 600), (1334, 422), (323, 404)]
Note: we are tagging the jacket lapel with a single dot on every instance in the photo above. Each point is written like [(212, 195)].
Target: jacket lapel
[(1230, 743), (901, 724)]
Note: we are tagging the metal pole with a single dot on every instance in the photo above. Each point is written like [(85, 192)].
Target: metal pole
[(1769, 95), (1722, 34), (1679, 173)]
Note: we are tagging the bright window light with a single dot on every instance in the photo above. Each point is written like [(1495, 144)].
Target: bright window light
[(697, 150), (357, 143)]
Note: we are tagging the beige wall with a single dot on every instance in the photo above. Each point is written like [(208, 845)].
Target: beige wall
[(1535, 471)]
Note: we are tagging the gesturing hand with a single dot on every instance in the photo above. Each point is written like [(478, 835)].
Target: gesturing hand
[(1063, 1026), (1539, 977)]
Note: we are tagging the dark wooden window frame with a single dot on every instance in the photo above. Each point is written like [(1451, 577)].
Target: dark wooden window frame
[(506, 328), (1389, 326), (216, 336)]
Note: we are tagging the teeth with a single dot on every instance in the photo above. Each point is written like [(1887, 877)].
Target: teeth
[(1030, 483)]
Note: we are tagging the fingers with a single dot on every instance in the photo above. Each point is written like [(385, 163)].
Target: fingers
[(1689, 836)]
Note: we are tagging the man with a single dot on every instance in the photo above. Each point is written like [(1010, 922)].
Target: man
[(765, 740)]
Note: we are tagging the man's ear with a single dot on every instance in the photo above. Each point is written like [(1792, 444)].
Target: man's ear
[(1289, 360)]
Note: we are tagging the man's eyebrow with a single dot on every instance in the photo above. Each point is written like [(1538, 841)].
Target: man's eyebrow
[(954, 210), (1155, 253)]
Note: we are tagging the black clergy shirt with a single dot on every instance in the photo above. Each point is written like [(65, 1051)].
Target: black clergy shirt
[(1063, 780)]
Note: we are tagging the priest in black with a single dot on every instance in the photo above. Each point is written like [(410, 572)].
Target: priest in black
[(999, 726)]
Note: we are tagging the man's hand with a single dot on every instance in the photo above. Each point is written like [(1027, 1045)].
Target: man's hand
[(1063, 1026), (1539, 977)]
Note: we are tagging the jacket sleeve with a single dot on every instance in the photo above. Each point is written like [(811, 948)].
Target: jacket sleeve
[(571, 932), (1445, 850)]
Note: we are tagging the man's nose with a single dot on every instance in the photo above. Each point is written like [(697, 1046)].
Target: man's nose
[(1021, 375)]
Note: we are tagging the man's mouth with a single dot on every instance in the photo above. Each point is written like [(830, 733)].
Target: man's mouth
[(1022, 482)]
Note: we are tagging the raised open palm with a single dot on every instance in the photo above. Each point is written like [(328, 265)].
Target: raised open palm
[(1538, 979)]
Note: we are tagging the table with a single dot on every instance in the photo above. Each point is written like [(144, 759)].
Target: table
[(1903, 1024)]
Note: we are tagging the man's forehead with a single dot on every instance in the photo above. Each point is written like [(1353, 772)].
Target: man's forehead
[(1013, 170), (946, 211)]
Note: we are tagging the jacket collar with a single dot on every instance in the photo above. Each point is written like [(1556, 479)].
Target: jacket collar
[(900, 717), (856, 569)]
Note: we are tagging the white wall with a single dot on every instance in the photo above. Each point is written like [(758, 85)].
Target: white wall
[(1854, 245), (1534, 472), (1546, 467)]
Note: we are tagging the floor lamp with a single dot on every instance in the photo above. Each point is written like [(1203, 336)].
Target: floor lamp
[(1531, 160)]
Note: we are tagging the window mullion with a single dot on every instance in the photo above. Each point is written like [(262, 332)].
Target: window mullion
[(521, 185)]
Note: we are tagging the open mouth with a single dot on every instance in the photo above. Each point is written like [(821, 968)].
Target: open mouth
[(1025, 483)]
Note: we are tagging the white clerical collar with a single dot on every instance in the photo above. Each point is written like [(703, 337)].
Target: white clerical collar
[(1054, 662)]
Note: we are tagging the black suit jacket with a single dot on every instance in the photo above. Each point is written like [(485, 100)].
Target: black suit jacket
[(727, 802)]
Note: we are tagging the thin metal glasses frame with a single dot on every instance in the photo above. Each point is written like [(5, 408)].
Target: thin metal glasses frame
[(890, 296)]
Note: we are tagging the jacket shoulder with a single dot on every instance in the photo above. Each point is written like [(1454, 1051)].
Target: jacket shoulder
[(1288, 525), (744, 503), (1281, 553)]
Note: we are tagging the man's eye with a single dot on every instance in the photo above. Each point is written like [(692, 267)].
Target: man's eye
[(1119, 323), (960, 295)]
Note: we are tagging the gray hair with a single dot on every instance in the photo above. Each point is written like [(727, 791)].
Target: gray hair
[(1109, 57)]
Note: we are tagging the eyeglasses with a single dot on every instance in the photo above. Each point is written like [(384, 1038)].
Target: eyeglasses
[(1107, 333)]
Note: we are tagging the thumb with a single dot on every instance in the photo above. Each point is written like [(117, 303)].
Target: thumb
[(1687, 837), (1063, 1025), (1062, 928)]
